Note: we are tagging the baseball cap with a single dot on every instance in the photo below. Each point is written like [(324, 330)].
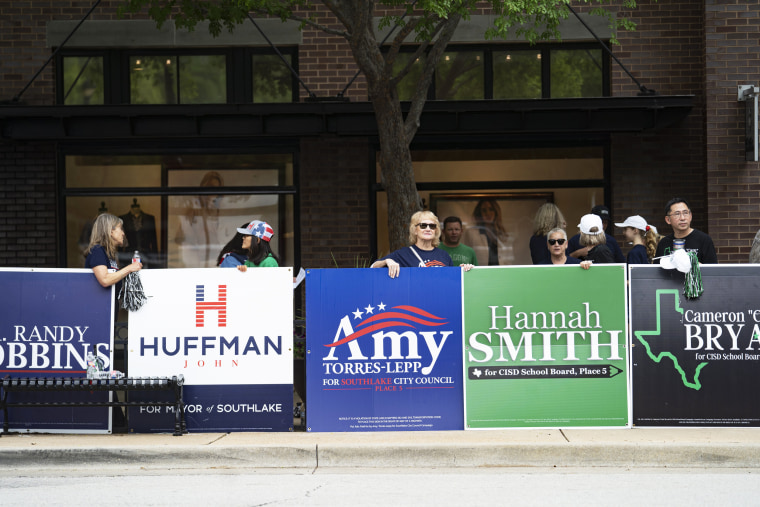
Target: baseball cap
[(636, 222), (602, 211), (259, 229), (588, 222)]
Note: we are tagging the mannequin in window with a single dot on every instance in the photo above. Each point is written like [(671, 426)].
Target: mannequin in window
[(140, 230)]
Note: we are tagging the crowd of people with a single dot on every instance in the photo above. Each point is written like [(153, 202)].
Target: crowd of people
[(432, 244), (549, 243)]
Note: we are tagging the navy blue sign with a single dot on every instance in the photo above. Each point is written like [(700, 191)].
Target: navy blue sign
[(384, 354), (49, 321)]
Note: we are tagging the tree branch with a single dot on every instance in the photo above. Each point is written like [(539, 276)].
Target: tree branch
[(399, 39), (412, 122)]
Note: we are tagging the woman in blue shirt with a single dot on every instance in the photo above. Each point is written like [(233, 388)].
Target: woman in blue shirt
[(106, 237)]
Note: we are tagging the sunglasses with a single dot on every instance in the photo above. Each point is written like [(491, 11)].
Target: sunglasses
[(553, 241), (425, 225)]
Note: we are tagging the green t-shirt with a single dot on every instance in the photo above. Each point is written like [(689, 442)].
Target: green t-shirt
[(268, 262), (460, 254)]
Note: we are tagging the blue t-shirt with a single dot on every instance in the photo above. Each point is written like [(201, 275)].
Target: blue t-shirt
[(98, 257), (431, 258), (575, 243), (638, 255)]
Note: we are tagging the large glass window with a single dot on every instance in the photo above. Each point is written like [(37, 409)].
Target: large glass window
[(83, 80), (576, 73), (179, 210), (517, 74), (459, 76), (272, 79), (516, 182), (172, 79)]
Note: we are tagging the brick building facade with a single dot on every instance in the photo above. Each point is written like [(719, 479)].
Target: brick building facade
[(681, 48)]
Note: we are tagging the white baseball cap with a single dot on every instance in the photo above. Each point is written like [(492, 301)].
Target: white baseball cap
[(588, 222), (636, 221)]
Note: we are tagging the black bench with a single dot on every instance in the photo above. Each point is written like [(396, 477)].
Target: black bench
[(80, 384)]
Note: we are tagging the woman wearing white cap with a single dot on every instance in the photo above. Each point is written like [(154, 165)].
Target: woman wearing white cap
[(644, 238), (592, 235)]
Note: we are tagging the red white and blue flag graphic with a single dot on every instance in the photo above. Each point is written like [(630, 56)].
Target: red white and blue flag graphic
[(384, 354)]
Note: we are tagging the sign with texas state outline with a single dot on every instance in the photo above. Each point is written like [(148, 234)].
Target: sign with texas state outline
[(694, 358), (384, 354)]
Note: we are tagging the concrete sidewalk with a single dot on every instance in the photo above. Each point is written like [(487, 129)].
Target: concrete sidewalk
[(639, 447)]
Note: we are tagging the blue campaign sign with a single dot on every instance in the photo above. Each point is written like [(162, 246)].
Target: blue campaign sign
[(384, 354), (49, 320)]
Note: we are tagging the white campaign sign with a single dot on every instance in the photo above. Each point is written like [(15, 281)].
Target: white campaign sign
[(215, 326)]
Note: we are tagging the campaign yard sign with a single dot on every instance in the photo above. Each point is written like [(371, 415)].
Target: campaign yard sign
[(230, 334), (545, 346), (384, 354), (695, 361), (49, 320)]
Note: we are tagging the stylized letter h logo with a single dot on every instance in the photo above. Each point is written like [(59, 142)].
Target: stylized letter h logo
[(202, 306)]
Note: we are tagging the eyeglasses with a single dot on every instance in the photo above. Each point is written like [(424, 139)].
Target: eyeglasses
[(561, 241), (425, 225), (679, 214)]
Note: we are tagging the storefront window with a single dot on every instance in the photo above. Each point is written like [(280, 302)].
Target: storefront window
[(179, 210), (405, 88), (518, 181), (83, 80)]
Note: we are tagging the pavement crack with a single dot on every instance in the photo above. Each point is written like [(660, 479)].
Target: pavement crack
[(563, 434), (218, 439)]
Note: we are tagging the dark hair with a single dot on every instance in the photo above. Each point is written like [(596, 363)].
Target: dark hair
[(260, 250), (235, 245), (451, 220), (673, 201)]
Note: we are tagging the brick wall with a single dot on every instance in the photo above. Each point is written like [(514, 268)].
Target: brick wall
[(733, 185), (334, 202), (665, 54), (28, 232)]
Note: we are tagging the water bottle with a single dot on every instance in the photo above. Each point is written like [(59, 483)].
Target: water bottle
[(92, 367), (136, 257)]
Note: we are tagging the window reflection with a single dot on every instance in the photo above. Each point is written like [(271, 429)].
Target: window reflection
[(459, 76), (172, 79), (516, 75), (83, 80), (405, 88), (272, 79), (576, 73)]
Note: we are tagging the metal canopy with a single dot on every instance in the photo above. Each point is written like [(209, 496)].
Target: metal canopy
[(131, 122)]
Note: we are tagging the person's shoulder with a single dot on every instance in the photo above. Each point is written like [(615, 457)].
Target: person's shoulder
[(571, 260), (269, 262), (697, 234)]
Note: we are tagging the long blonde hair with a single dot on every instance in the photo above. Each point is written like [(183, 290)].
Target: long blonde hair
[(419, 217), (101, 234), (547, 217)]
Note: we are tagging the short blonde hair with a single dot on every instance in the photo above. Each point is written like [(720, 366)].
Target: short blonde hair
[(419, 217), (557, 230), (592, 239)]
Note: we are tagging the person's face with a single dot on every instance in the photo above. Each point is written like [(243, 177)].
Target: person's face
[(247, 241), (556, 249), (629, 233), (452, 233), (117, 235), (679, 217), (426, 232), (487, 212)]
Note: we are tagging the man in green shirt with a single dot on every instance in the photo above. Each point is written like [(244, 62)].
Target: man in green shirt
[(452, 234)]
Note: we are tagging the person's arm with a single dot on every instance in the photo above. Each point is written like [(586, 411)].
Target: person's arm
[(709, 255), (581, 252), (107, 279), (393, 267)]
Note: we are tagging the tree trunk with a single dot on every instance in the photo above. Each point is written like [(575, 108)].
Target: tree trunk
[(396, 169)]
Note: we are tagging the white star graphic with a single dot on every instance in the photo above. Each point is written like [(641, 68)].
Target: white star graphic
[(370, 308), (381, 306), (357, 314)]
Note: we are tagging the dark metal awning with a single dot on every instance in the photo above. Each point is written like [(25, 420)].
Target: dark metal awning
[(586, 115)]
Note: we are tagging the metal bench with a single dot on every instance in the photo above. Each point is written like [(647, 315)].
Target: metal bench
[(80, 384)]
